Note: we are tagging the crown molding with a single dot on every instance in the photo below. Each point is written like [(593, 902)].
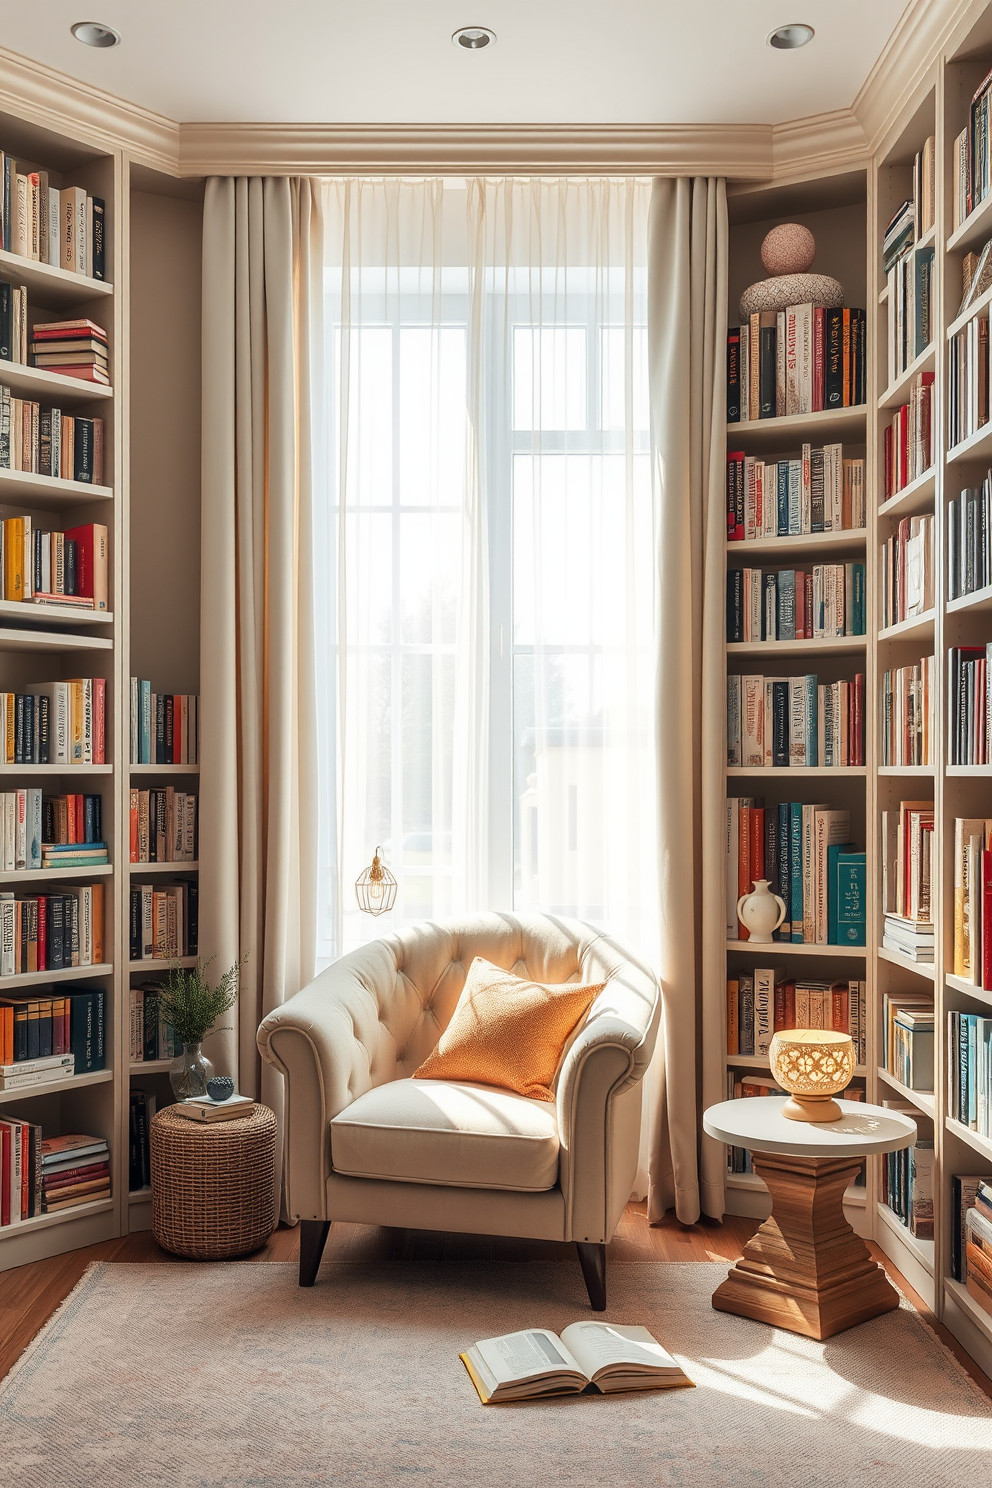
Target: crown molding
[(921, 35), (52, 100), (820, 143), (743, 151)]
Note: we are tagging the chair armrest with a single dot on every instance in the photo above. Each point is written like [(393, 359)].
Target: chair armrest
[(599, 1117), (313, 1040)]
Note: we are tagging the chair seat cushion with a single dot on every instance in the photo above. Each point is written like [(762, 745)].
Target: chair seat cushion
[(459, 1135)]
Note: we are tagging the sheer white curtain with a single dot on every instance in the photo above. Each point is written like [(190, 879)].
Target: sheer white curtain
[(485, 554)]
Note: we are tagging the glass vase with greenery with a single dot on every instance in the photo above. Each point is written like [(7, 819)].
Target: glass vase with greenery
[(192, 1006)]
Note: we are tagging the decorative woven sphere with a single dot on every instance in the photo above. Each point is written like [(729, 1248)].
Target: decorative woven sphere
[(812, 1064), (220, 1088), (789, 248)]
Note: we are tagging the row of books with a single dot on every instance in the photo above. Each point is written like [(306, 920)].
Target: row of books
[(65, 228), (968, 381), (71, 348), (907, 570), (909, 437), (907, 723), (163, 826), (972, 879), (971, 176), (42, 1175), (804, 852), (978, 1249), (910, 306), (38, 831), (795, 605), (969, 722), (46, 441), (141, 1109), (906, 851), (818, 492), (907, 1181), (969, 552), (51, 1035), (907, 1038), (151, 1037), (52, 932), (164, 921), (55, 723), (62, 568), (763, 1001), (164, 726), (913, 219), (804, 359), (13, 322), (969, 1071), (794, 721)]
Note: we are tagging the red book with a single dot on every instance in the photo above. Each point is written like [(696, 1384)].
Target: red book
[(61, 330), (84, 374), (790, 1004), (99, 721), (98, 479), (743, 863), (134, 826), (735, 478), (43, 934), (819, 322), (986, 919), (72, 1176), (5, 1136), (92, 566), (80, 818), (839, 1008), (67, 1025), (757, 843), (780, 1006)]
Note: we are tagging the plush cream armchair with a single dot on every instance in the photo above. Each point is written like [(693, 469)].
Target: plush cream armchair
[(365, 1142)]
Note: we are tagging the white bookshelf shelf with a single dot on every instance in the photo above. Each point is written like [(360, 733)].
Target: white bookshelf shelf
[(980, 1144), (12, 609), (57, 1087), (977, 447), (164, 769), (66, 974), (141, 868), (976, 1313), (826, 427), (906, 770), (975, 228), (967, 989), (50, 285), (161, 964), (832, 646), (149, 1066), (968, 772), (47, 1221), (52, 875), (50, 640), (23, 488), (976, 308), (923, 1100), (898, 391), (35, 382), (916, 627), (920, 968), (139, 1196), (22, 770), (848, 539), (798, 771), (916, 497), (923, 1250), (759, 1062), (979, 601), (788, 948)]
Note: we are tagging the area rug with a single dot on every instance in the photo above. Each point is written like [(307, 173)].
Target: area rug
[(231, 1376)]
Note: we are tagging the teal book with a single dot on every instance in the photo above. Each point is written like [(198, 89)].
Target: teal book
[(846, 895), (858, 603), (796, 865), (812, 724)]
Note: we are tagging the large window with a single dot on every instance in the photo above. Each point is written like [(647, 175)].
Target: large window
[(485, 554)]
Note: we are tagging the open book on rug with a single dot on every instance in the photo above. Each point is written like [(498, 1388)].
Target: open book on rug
[(535, 1362)]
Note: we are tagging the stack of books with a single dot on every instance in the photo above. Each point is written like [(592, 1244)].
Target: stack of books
[(803, 359), (54, 1035), (49, 831), (970, 172), (908, 1038), (970, 741), (69, 569), (763, 1001), (913, 939), (907, 714), (57, 855), (795, 605), (50, 932), (163, 826), (973, 901), (164, 726), (803, 851), (75, 1169), (819, 492), (794, 721), (964, 1196), (208, 1110), (969, 529), (907, 570), (72, 348), (164, 920), (46, 441), (151, 1037), (55, 723), (907, 838), (909, 437)]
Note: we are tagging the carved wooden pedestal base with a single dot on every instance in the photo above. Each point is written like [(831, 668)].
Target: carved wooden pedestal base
[(805, 1269)]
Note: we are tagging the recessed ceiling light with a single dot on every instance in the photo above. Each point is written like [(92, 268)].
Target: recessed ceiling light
[(787, 38), (94, 34), (472, 38)]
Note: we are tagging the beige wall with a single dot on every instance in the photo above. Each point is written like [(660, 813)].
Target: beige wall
[(165, 441)]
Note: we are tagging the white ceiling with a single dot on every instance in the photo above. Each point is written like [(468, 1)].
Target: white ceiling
[(564, 61)]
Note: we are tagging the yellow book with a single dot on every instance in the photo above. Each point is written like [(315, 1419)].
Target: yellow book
[(96, 901), (13, 558), (10, 732), (77, 717)]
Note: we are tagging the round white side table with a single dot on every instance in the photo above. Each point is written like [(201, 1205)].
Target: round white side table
[(805, 1269)]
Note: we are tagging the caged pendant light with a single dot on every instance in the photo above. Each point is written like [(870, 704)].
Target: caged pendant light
[(375, 888)]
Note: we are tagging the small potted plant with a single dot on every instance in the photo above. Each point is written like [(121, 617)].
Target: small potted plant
[(189, 1003)]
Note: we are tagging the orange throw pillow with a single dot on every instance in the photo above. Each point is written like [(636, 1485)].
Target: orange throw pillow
[(508, 1032)]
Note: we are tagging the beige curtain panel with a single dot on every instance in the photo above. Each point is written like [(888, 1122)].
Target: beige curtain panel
[(687, 321), (262, 258)]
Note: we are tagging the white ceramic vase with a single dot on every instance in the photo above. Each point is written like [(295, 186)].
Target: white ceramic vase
[(761, 911)]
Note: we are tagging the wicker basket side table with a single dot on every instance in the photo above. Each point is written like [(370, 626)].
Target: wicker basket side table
[(213, 1185)]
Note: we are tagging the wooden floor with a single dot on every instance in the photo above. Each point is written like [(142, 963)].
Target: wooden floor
[(30, 1294)]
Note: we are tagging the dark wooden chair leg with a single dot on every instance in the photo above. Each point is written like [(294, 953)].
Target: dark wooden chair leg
[(592, 1259), (313, 1236)]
